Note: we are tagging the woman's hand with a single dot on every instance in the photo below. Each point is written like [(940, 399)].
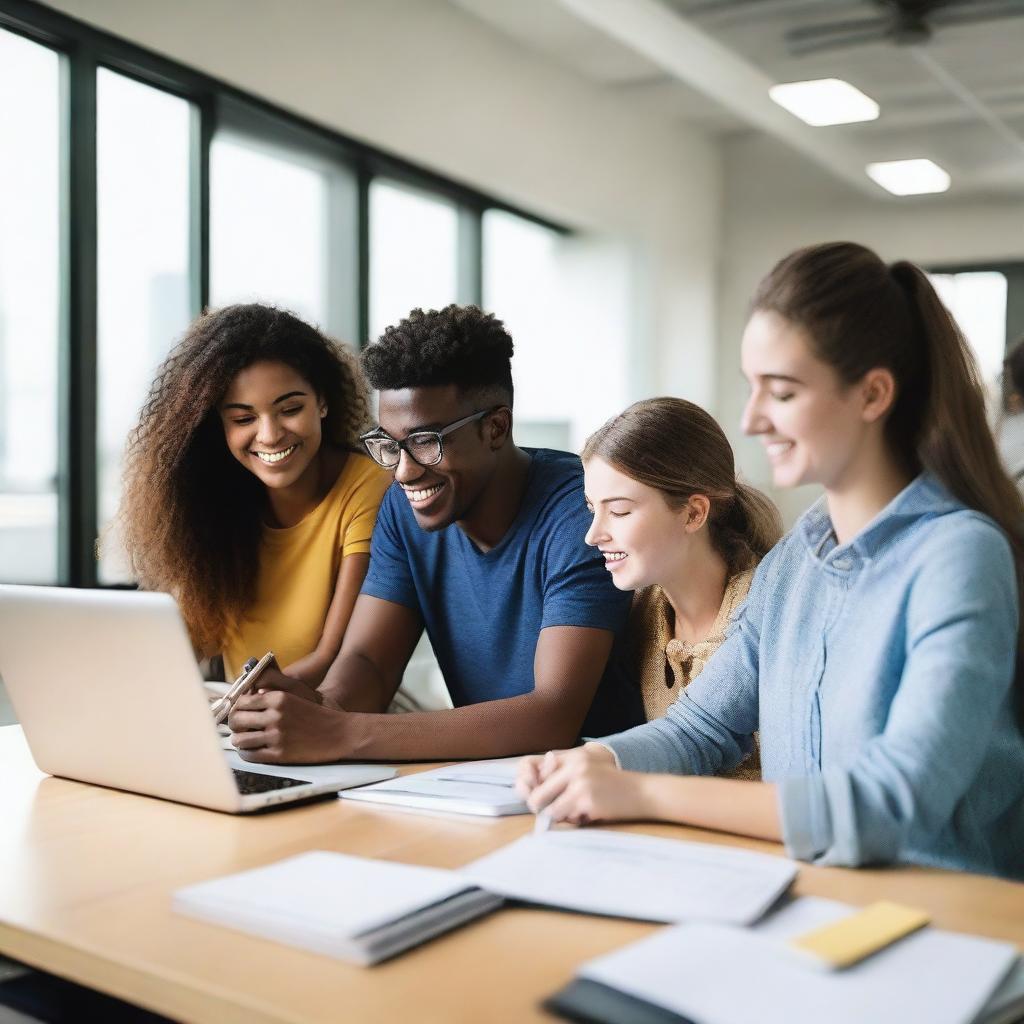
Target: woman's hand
[(580, 786), (535, 768)]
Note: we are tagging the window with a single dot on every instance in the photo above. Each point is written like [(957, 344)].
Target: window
[(521, 272), (133, 192), (977, 300), (143, 304), (565, 302), (413, 253), (268, 222), (30, 308)]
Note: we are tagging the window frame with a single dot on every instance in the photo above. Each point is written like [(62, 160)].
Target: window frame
[(1013, 271), (83, 49)]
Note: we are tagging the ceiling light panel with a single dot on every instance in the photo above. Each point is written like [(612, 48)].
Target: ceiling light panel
[(909, 177), (825, 101)]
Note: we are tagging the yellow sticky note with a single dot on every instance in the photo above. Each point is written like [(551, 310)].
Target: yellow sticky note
[(850, 940)]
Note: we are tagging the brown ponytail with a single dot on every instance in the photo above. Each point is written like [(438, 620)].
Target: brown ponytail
[(677, 448), (861, 314)]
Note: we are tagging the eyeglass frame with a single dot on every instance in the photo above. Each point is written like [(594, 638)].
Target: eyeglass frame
[(403, 446)]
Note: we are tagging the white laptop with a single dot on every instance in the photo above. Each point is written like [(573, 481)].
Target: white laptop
[(107, 690)]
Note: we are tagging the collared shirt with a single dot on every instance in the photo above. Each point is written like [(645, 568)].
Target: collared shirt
[(880, 673)]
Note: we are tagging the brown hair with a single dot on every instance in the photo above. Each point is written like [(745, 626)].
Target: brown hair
[(677, 448), (191, 515), (860, 314)]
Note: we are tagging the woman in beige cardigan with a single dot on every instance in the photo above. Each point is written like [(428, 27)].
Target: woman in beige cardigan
[(676, 526)]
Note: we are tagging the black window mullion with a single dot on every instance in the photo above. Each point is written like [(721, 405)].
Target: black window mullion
[(363, 177), (470, 282), (1014, 303), (199, 200), (77, 365)]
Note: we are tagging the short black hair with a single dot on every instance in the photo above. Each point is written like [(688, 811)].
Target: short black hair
[(460, 345)]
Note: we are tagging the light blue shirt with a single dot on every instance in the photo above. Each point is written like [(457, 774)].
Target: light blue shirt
[(880, 674)]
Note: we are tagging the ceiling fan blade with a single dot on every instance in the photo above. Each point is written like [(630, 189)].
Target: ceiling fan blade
[(807, 47), (717, 6), (832, 28), (968, 14)]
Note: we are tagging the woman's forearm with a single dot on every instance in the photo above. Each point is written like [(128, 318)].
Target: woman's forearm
[(726, 805)]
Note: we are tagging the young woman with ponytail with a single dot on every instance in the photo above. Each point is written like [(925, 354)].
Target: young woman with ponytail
[(676, 526), (877, 651)]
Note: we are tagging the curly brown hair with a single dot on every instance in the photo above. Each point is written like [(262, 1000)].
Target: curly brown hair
[(190, 516)]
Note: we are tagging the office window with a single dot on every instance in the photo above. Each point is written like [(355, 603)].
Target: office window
[(268, 229), (143, 306), (520, 285), (977, 299), (567, 304), (30, 299), (413, 253), (201, 195)]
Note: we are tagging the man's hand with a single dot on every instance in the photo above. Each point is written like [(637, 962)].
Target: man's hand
[(280, 727), (580, 786), (272, 678), (275, 679)]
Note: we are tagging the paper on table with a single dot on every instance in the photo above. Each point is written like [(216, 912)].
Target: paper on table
[(723, 975), (474, 787), (333, 903), (644, 877)]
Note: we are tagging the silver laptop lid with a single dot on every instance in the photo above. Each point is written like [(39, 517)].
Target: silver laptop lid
[(107, 690)]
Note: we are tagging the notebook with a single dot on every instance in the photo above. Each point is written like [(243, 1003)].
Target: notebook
[(338, 905), (473, 787), (619, 874), (715, 974)]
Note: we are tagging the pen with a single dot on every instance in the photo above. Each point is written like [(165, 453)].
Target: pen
[(542, 822), (251, 671)]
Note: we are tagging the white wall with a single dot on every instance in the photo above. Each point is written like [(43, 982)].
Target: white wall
[(429, 82), (776, 202)]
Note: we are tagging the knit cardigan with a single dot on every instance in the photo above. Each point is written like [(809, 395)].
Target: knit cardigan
[(664, 665)]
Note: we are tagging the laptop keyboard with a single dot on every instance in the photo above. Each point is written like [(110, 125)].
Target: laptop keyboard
[(255, 782)]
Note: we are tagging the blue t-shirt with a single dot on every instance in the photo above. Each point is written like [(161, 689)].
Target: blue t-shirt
[(484, 611)]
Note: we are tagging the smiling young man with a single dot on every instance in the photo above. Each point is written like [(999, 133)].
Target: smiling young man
[(481, 543)]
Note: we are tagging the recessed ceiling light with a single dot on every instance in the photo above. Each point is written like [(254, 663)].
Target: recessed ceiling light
[(825, 101), (909, 177)]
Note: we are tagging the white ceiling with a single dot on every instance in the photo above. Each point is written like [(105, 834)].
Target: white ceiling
[(958, 99)]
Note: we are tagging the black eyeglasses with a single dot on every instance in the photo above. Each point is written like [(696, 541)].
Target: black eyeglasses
[(424, 447)]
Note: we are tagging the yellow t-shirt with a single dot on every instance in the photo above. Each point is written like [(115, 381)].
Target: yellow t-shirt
[(299, 568)]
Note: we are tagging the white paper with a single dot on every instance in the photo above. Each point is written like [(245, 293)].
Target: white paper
[(474, 787), (319, 894), (644, 877), (723, 975)]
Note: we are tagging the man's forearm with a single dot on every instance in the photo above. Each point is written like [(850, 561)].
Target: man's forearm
[(354, 683), (498, 728)]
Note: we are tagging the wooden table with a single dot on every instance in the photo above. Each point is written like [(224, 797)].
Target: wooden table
[(86, 877)]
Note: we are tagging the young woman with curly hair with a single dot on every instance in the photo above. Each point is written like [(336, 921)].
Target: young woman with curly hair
[(245, 493)]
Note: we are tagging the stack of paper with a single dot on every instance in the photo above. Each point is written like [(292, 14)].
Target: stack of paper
[(341, 906), (475, 787), (725, 975), (623, 875)]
